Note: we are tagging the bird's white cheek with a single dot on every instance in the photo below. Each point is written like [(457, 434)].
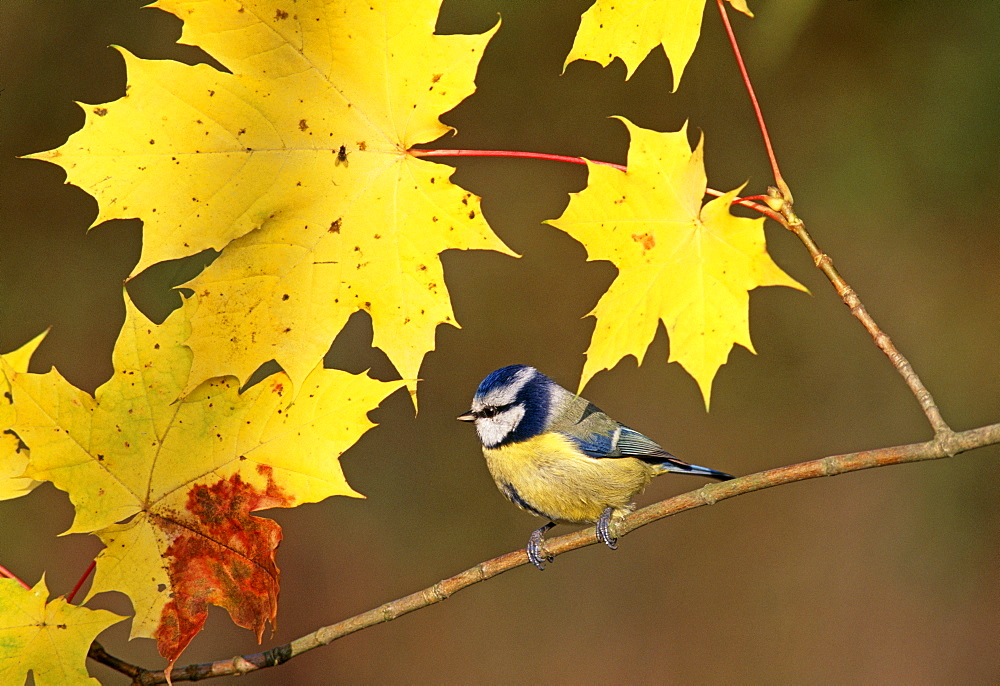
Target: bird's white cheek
[(493, 430)]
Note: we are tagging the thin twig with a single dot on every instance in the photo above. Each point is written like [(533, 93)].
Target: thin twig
[(99, 654), (825, 264), (782, 201), (942, 445)]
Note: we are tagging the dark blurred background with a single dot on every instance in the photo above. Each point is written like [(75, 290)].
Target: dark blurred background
[(885, 117)]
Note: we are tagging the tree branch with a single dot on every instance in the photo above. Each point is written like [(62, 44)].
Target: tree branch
[(944, 444), (824, 263), (782, 202)]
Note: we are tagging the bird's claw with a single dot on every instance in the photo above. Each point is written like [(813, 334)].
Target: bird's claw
[(604, 529), (536, 547)]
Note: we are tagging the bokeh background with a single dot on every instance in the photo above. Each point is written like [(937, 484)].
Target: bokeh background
[(886, 120)]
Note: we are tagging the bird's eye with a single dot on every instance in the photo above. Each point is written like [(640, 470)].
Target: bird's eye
[(492, 410)]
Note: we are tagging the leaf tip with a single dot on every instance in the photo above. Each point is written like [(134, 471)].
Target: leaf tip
[(705, 386), (741, 6)]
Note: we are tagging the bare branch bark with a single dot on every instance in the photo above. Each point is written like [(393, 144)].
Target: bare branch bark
[(824, 263)]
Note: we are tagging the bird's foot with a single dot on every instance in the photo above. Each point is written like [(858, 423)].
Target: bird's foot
[(536, 546), (604, 529)]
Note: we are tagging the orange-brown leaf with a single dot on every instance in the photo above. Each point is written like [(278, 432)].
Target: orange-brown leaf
[(170, 482)]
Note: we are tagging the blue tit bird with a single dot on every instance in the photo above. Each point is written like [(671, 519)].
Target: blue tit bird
[(557, 456)]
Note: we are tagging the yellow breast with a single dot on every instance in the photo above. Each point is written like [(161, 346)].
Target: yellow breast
[(548, 476)]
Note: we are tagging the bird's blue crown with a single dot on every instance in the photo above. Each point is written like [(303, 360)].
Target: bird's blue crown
[(534, 394)]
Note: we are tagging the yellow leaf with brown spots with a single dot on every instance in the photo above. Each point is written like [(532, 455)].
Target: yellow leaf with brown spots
[(49, 638), (688, 265), (295, 166)]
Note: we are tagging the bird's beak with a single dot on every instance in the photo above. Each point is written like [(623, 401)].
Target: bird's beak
[(469, 416)]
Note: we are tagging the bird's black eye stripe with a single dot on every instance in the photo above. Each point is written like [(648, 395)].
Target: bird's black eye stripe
[(493, 410)]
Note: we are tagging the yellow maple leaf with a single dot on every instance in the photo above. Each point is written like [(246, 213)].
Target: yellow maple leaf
[(302, 151), (50, 639), (630, 29), (170, 484), (690, 266), (13, 453)]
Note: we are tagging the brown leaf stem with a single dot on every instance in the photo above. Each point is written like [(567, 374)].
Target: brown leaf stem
[(944, 444)]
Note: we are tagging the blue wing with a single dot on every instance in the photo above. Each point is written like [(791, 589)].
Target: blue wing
[(631, 443), (596, 445), (619, 441), (599, 436)]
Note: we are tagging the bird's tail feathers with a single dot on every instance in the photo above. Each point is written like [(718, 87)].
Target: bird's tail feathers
[(672, 464)]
